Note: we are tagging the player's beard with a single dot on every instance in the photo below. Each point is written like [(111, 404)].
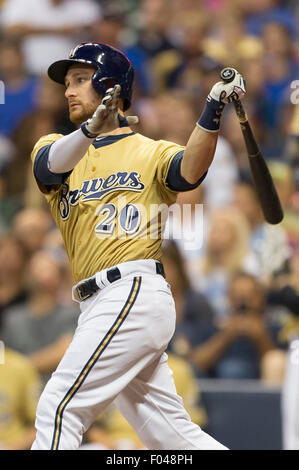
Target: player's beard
[(82, 113)]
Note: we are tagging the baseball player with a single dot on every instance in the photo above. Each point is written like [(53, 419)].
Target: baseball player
[(102, 182)]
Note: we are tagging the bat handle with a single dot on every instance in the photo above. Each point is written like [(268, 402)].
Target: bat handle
[(228, 74), (251, 145), (242, 116)]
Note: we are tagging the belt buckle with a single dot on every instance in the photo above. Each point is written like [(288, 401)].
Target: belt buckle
[(80, 296)]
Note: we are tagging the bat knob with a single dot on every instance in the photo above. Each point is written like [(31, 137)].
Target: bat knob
[(227, 74)]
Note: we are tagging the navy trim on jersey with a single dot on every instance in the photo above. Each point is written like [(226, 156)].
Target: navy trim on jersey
[(42, 172), (175, 180), (109, 139), (93, 359)]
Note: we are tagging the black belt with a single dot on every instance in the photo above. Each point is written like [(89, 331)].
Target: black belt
[(89, 287)]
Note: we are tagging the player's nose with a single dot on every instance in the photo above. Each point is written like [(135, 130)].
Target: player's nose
[(70, 91)]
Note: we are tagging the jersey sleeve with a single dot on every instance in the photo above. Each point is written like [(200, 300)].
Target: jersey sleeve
[(169, 169), (166, 153), (42, 144)]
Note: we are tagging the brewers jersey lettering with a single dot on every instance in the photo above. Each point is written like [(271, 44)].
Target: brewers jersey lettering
[(107, 207)]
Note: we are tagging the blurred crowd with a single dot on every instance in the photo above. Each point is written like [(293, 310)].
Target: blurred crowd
[(236, 287)]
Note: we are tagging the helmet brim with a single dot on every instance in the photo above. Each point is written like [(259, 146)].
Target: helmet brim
[(58, 70)]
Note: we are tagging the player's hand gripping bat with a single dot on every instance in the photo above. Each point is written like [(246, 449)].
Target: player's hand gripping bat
[(261, 177)]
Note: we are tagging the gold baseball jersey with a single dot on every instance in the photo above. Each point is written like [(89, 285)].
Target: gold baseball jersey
[(109, 208)]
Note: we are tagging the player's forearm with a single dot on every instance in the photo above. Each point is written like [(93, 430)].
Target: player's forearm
[(264, 343), (66, 152), (199, 154), (206, 355), (201, 146), (46, 360)]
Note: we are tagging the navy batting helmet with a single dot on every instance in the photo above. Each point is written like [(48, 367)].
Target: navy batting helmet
[(112, 67)]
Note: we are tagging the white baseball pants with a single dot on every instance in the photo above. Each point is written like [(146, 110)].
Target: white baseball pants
[(290, 399), (117, 354)]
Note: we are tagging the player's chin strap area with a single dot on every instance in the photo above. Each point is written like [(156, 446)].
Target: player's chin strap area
[(88, 287)]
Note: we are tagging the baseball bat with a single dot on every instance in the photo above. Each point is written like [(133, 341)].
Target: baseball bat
[(261, 177)]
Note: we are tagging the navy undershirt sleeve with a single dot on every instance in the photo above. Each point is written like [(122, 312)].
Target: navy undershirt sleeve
[(42, 172), (175, 180)]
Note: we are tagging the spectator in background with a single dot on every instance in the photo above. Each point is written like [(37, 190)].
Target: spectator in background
[(20, 388), (49, 116), (291, 152), (12, 265), (238, 345), (20, 89), (268, 244), (283, 178), (10, 204), (54, 246), (154, 18), (46, 327), (194, 316), (226, 253), (49, 28), (30, 227), (192, 63), (280, 71), (186, 225), (281, 365), (245, 199), (252, 62), (51, 101), (223, 175), (283, 294), (108, 29), (6, 154), (270, 63), (19, 176), (161, 122), (228, 41), (112, 29), (153, 45), (259, 13)]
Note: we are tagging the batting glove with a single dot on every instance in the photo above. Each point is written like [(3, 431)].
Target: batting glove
[(106, 117), (228, 92)]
